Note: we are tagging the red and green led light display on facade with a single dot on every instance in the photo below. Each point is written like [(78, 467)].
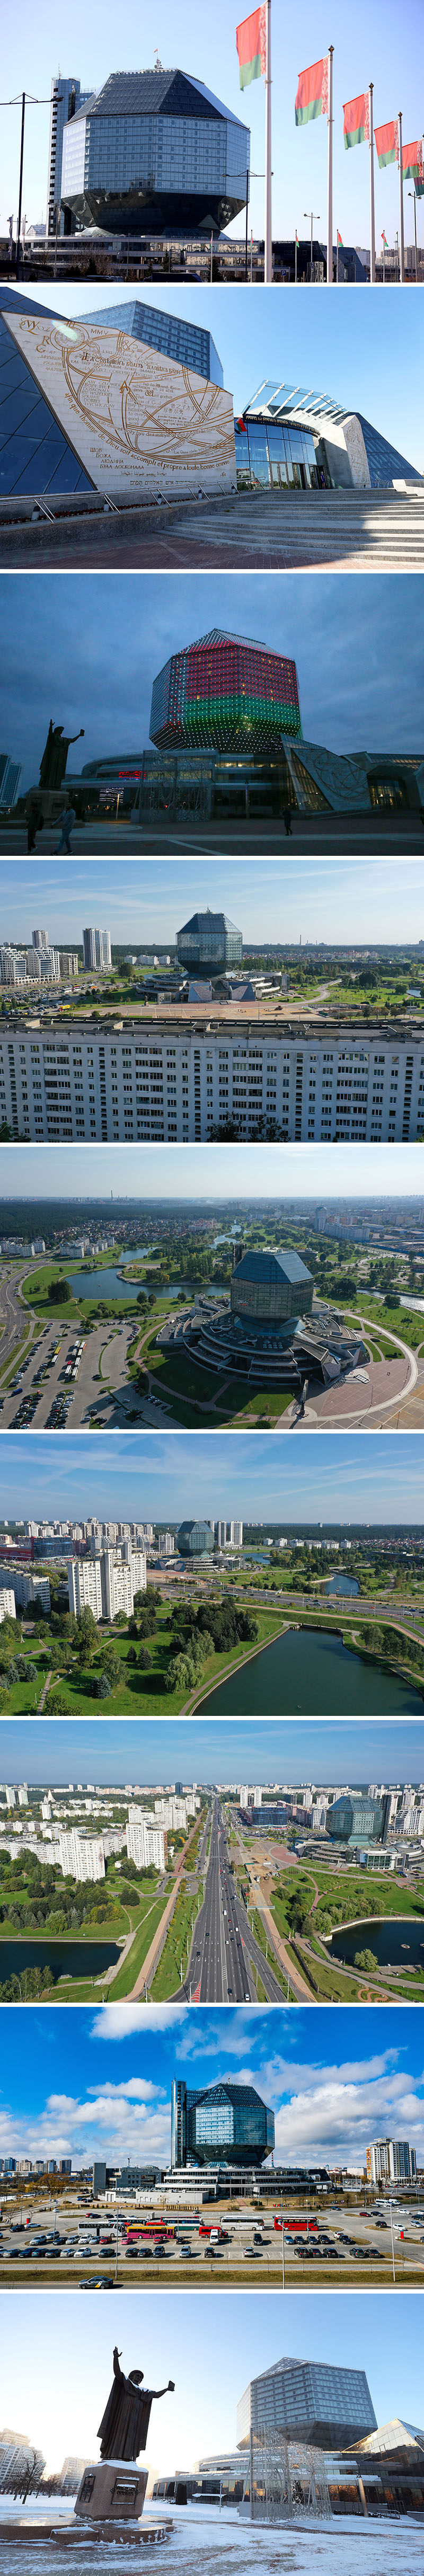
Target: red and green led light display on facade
[(225, 693)]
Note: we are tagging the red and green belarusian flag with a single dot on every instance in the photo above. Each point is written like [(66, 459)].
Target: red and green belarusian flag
[(251, 46), (386, 138), (384, 242), (340, 241), (312, 92), (412, 161), (356, 120)]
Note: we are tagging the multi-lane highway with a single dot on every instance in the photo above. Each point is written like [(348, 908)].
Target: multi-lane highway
[(224, 1954)]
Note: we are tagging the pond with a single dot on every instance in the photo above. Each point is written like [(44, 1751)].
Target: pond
[(397, 1942), (342, 1583), (306, 1671), (104, 1284), (65, 1958)]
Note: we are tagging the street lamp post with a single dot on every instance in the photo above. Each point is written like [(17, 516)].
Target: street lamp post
[(314, 219), (23, 101), (411, 193)]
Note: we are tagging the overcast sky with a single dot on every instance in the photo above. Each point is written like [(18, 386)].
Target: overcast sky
[(367, 355), (59, 2363), (83, 2084), (161, 1751), (138, 1476), (179, 1173), (204, 44), (357, 640), (350, 900)]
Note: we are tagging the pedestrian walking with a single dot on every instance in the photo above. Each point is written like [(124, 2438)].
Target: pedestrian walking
[(67, 820)]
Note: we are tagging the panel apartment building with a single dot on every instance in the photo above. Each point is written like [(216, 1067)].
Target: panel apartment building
[(106, 1583), (183, 1082)]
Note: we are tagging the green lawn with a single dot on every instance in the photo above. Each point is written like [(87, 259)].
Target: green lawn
[(260, 1935), (167, 1976), (139, 1693), (149, 1916)]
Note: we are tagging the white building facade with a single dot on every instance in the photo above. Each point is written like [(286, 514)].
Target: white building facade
[(177, 1082), (146, 1840)]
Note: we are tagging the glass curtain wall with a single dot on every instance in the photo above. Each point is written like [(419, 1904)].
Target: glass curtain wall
[(267, 454)]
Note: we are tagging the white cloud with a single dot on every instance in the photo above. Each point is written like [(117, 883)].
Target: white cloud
[(121, 2021)]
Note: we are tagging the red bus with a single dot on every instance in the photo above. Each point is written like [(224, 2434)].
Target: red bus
[(297, 2226)]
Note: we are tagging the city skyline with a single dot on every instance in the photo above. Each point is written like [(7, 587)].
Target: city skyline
[(300, 167), (165, 1476), (61, 2407), (99, 2086), (359, 656), (322, 900), (342, 351), (157, 1751), (134, 1172)]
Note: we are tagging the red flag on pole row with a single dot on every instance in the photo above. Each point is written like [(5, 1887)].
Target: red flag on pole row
[(312, 92), (356, 120), (386, 138), (251, 46), (412, 160)]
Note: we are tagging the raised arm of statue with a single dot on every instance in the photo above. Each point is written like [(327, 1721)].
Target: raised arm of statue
[(162, 2392), (117, 2373)]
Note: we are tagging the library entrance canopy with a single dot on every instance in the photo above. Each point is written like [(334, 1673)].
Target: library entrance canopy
[(291, 435)]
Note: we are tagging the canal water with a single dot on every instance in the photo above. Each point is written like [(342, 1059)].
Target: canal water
[(398, 1943), (65, 1958), (342, 1584), (313, 1673)]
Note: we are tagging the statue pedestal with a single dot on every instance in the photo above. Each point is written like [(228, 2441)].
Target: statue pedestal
[(111, 2491)]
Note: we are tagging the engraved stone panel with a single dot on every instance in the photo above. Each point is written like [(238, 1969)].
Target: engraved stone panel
[(139, 423)]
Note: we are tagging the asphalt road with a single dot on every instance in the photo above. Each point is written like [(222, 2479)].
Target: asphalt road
[(224, 1953)]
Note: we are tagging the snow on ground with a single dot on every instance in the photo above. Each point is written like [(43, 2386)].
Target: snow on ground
[(221, 2545)]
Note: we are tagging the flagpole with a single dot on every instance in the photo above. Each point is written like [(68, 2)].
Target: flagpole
[(295, 261), (268, 211), (337, 258), (372, 213), (330, 170), (401, 234)]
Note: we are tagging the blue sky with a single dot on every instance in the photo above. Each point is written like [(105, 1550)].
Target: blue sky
[(98, 2083), (178, 1173), (367, 355), (109, 1749), (391, 55), (143, 1476), (320, 899), (358, 642), (58, 2377)]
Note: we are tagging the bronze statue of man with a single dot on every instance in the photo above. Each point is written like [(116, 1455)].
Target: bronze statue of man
[(55, 754), (124, 2426)]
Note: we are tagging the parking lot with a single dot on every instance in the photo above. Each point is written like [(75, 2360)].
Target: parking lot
[(68, 1378), (345, 2248)]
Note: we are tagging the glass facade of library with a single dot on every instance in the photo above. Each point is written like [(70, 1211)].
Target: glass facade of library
[(155, 152), (225, 691), (311, 2400), (276, 454), (187, 343), (209, 940), (227, 2124)]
